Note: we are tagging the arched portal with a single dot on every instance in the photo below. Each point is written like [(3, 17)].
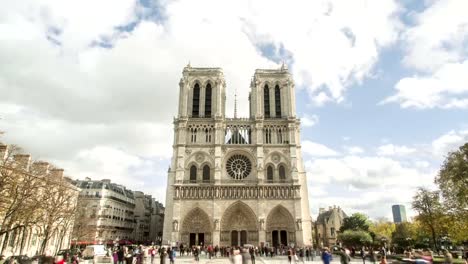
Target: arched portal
[(280, 228), (196, 228), (239, 226)]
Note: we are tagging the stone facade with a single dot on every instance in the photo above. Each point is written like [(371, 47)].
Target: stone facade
[(28, 228), (236, 181), (106, 213), (328, 225)]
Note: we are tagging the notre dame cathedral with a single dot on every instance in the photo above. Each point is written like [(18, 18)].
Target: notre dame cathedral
[(237, 181)]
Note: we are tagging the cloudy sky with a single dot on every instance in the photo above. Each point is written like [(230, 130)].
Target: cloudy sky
[(382, 86)]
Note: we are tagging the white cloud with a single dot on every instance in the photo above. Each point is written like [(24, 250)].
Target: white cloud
[(436, 48), (394, 150), (448, 142), (309, 121), (353, 150), (316, 149), (367, 172), (447, 87), (439, 36)]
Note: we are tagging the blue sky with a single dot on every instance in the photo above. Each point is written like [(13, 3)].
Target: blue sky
[(381, 86)]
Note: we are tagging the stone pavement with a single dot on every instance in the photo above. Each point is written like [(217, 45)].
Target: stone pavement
[(262, 260)]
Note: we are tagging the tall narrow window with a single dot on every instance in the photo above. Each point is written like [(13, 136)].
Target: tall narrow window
[(277, 101), (196, 101), (206, 173), (266, 101), (270, 173), (194, 135), (193, 173), (282, 173), (208, 100)]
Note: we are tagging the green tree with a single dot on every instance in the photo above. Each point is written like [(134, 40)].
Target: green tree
[(356, 221), (430, 211), (453, 184), (383, 229), (355, 238), (404, 234)]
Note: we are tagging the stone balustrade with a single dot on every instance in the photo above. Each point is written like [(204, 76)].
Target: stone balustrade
[(237, 192)]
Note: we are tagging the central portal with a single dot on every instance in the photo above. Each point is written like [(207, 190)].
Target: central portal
[(239, 226), (238, 238)]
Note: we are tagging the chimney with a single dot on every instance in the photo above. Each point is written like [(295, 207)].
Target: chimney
[(40, 167), (321, 210), (3, 151), (87, 179), (57, 173), (22, 161), (329, 208)]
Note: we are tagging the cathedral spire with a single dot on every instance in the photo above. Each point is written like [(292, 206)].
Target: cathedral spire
[(235, 103)]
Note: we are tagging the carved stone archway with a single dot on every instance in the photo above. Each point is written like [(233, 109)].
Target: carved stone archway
[(239, 220), (197, 228), (280, 227)]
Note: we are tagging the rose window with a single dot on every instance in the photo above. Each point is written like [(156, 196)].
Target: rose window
[(238, 166)]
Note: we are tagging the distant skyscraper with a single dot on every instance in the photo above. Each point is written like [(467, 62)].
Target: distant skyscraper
[(399, 213)]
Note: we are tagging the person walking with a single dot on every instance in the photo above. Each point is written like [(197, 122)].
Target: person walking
[(162, 256), (372, 256), (326, 256), (252, 255), (363, 255), (344, 257), (448, 259)]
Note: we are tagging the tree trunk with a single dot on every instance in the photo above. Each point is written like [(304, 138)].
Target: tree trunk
[(23, 239), (44, 241), (5, 242), (433, 237)]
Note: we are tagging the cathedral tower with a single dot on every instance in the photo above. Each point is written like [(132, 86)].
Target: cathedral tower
[(237, 181)]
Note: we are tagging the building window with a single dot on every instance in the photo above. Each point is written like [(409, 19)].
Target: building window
[(206, 173), (282, 173), (266, 101), (208, 100), (332, 231), (196, 101), (270, 173), (267, 136), (193, 173), (194, 135), (208, 135), (277, 101)]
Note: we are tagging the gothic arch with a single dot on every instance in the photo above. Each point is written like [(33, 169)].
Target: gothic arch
[(271, 158), (239, 217), (196, 221), (280, 227), (195, 158), (280, 218)]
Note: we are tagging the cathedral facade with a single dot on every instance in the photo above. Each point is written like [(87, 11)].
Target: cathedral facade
[(237, 181)]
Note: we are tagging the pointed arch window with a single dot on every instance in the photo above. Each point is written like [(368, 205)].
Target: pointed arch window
[(266, 101), (193, 173), (270, 173), (206, 173), (282, 173), (196, 101), (277, 101), (208, 100)]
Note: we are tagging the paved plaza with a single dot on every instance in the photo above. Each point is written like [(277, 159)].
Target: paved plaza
[(275, 260)]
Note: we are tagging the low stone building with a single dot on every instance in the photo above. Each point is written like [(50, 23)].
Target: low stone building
[(328, 225)]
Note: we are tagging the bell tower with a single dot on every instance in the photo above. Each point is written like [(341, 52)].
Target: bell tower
[(202, 93), (272, 94)]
